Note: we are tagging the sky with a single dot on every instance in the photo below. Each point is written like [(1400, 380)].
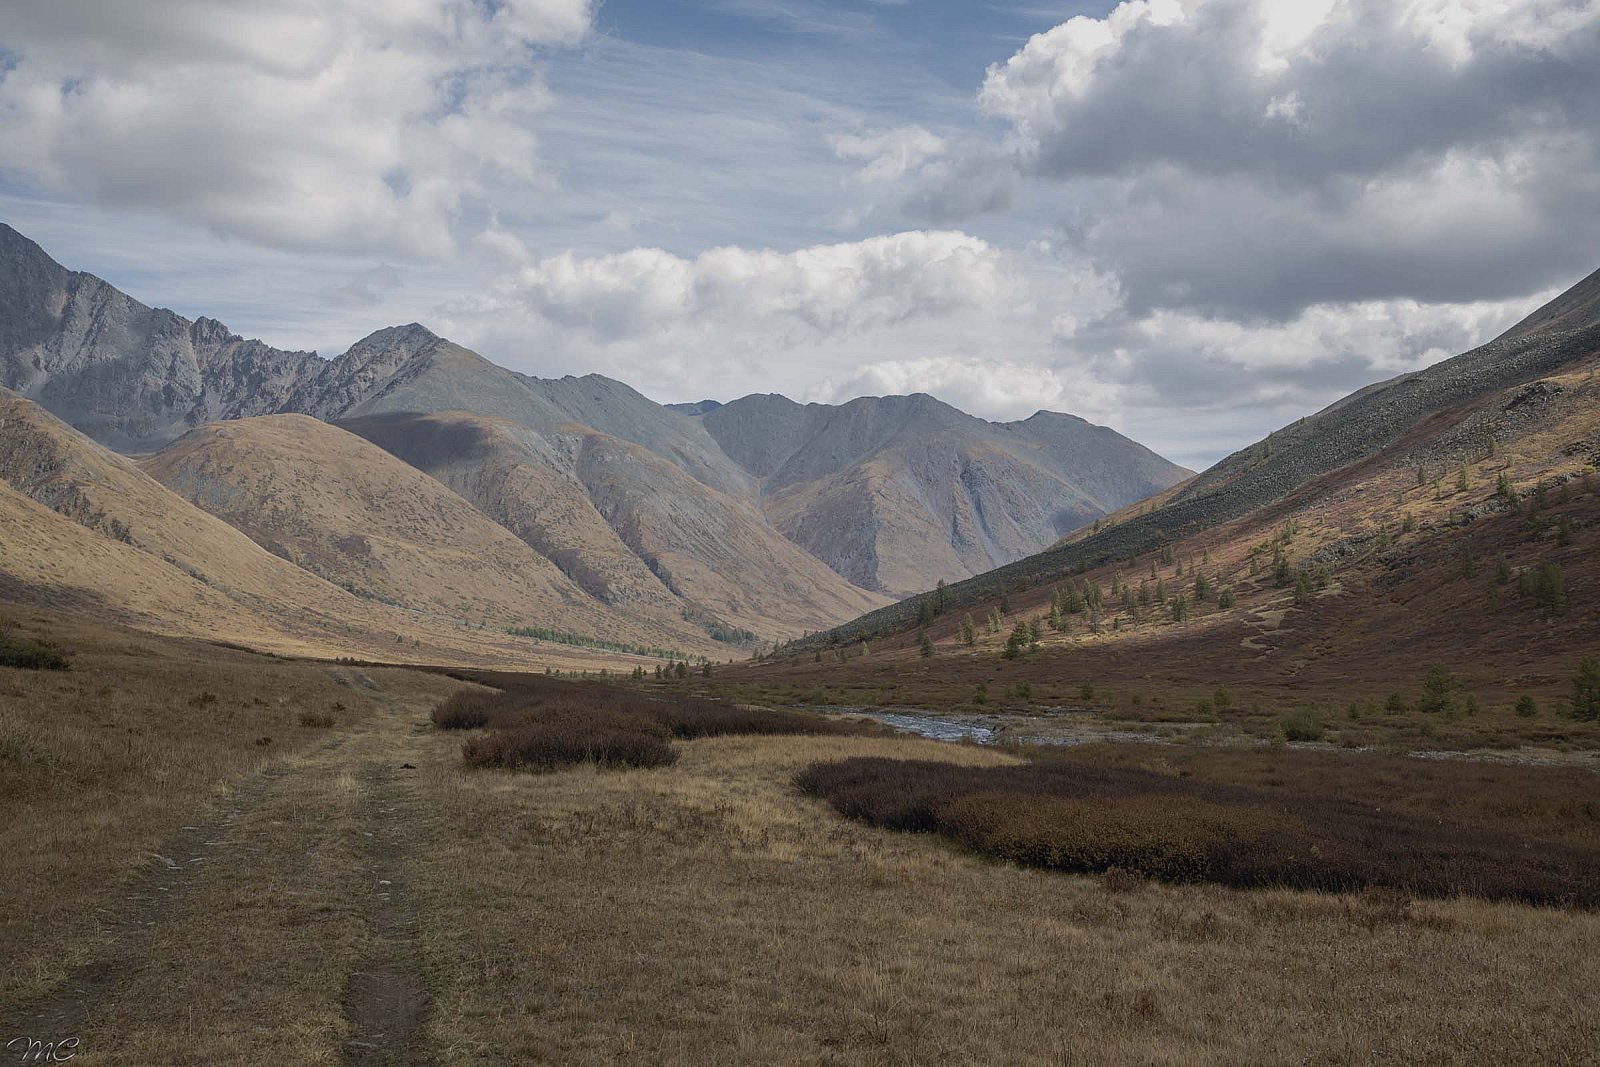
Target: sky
[(1191, 220)]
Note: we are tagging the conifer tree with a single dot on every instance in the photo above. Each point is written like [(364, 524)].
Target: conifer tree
[(1586, 690), (1019, 640)]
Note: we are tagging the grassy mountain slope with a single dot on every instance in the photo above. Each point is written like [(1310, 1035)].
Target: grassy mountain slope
[(346, 510), (624, 524)]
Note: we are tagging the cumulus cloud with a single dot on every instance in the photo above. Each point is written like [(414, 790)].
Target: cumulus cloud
[(821, 290), (1001, 333), (343, 125), (1248, 158), (998, 389)]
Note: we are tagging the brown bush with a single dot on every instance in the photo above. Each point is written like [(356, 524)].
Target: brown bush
[(1079, 816), (544, 722), (316, 720), (1147, 834), (604, 738), (466, 710)]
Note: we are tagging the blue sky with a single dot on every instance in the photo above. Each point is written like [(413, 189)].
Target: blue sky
[(1193, 220)]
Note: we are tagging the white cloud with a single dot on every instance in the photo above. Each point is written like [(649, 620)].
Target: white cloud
[(889, 155), (312, 124), (997, 389), (825, 289), (1250, 158)]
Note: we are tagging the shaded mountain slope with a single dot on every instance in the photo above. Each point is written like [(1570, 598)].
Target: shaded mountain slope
[(130, 376), (1572, 310), (896, 492)]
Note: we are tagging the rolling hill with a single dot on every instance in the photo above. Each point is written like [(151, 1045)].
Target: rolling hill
[(85, 529), (627, 526)]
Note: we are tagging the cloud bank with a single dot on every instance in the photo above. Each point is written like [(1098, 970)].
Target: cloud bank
[(338, 125)]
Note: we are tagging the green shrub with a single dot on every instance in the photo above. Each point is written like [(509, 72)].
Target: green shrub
[(1526, 708), (1300, 726), (31, 656)]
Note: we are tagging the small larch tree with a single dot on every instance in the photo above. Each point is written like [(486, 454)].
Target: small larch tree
[(1586, 690)]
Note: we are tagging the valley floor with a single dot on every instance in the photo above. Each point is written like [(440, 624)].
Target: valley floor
[(177, 893)]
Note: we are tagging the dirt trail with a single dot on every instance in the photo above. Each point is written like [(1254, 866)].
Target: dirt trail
[(273, 844), (386, 1001)]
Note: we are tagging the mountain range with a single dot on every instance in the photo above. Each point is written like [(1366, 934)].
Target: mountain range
[(1445, 520), (431, 480)]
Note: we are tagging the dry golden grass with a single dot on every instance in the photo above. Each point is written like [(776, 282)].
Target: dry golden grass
[(299, 487), (705, 914), (700, 913)]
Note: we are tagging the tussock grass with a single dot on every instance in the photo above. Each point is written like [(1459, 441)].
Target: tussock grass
[(1075, 815)]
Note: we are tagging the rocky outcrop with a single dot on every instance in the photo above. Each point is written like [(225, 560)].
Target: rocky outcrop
[(129, 376)]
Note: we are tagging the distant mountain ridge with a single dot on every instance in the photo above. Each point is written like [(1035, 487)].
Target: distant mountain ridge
[(759, 515), (888, 490)]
